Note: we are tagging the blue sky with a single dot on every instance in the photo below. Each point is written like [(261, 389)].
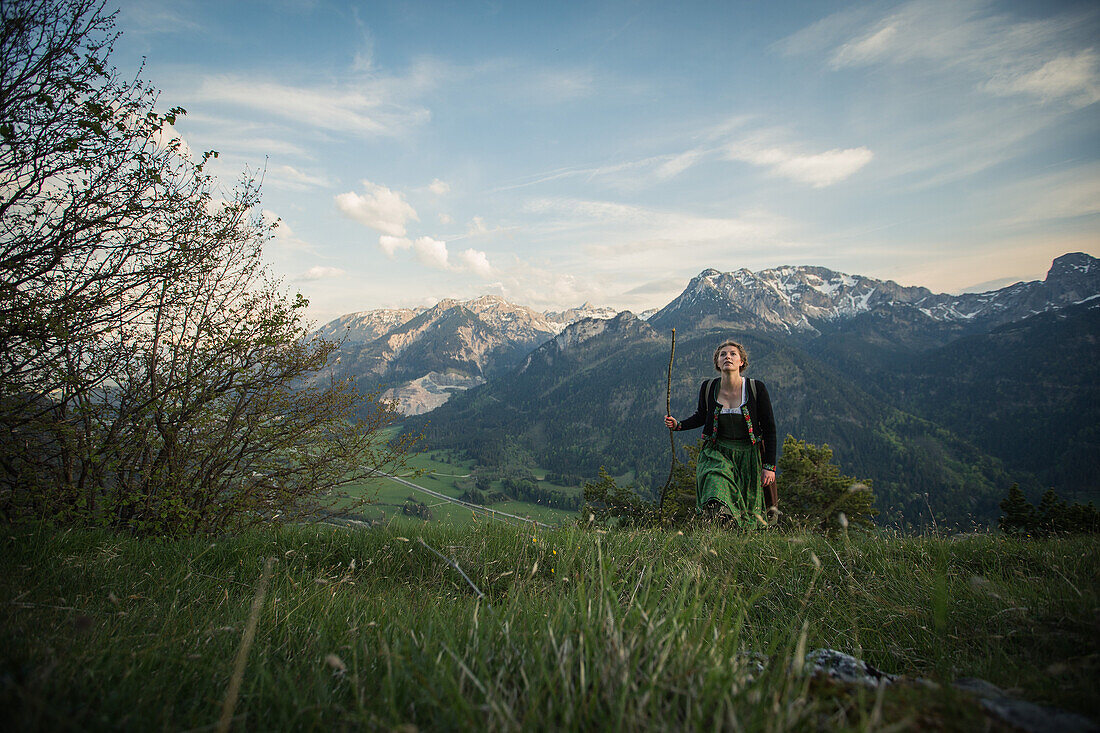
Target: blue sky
[(560, 152)]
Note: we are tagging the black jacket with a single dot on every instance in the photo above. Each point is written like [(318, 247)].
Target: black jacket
[(760, 418)]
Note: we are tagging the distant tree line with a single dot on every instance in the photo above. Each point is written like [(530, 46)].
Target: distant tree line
[(1053, 515), (517, 483)]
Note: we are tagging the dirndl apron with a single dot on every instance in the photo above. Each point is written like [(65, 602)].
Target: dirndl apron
[(728, 471)]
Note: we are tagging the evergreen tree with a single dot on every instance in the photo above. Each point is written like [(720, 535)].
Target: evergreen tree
[(1018, 515), (813, 494), (1051, 513)]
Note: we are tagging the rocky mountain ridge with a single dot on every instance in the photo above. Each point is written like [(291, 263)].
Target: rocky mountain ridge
[(585, 310), (366, 326), (425, 355), (810, 300)]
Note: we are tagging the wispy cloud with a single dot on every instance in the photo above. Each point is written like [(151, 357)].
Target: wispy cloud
[(622, 243), (816, 169), (1065, 194), (556, 86), (955, 87), (999, 53), (154, 16), (283, 237), (319, 273), (365, 109), (1074, 77), (293, 179)]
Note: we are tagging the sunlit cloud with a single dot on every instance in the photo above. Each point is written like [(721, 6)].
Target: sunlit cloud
[(434, 254), (390, 244), (431, 252), (476, 262), (377, 207)]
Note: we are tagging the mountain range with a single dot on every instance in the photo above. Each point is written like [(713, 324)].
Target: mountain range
[(941, 400), (422, 356)]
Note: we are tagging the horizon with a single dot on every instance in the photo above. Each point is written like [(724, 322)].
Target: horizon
[(595, 305), (609, 152)]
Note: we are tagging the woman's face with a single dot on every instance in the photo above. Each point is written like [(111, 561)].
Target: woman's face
[(729, 357)]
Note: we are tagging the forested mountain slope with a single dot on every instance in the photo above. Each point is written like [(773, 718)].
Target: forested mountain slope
[(943, 401), (595, 396)]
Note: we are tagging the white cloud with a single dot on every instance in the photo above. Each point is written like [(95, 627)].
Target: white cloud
[(282, 230), (476, 262), (167, 137), (439, 188), (445, 219), (320, 273), (431, 252), (816, 169), (391, 244), (378, 207), (546, 288)]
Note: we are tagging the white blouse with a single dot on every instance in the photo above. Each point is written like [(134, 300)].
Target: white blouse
[(727, 410)]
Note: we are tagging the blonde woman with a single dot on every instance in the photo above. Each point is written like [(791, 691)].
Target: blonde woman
[(736, 464)]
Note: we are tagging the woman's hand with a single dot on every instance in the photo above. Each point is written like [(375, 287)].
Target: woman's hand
[(671, 423), (767, 477)]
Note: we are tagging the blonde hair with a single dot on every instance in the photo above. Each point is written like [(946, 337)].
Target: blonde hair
[(740, 349)]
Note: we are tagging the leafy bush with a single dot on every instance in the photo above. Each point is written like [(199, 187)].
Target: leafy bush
[(154, 377), (813, 494), (609, 504)]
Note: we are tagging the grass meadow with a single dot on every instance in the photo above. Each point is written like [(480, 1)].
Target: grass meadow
[(576, 629)]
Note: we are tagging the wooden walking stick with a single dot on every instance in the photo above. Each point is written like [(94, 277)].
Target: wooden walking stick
[(671, 442)]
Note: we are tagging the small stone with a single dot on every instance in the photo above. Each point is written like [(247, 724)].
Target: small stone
[(845, 668), (979, 687)]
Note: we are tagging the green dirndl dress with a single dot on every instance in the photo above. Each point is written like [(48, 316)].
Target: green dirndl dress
[(728, 470)]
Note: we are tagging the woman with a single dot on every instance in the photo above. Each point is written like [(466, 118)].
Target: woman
[(737, 461)]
